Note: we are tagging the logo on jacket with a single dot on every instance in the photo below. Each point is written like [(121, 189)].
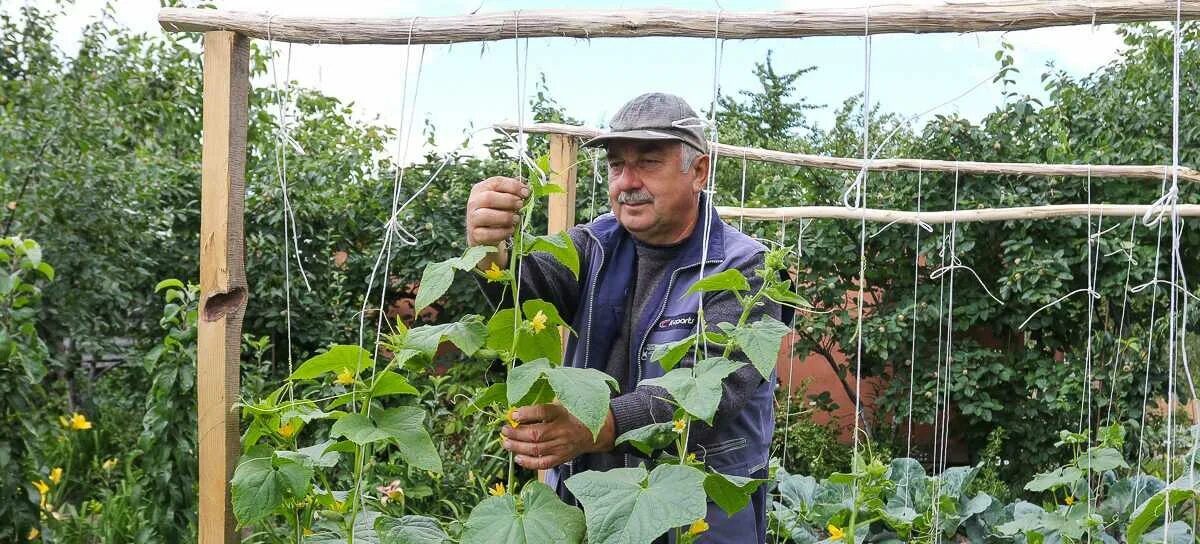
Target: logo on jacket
[(681, 321)]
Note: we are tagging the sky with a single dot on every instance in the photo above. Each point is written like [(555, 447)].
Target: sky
[(464, 87)]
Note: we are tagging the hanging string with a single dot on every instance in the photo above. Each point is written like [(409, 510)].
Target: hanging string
[(595, 182), (1120, 343), (860, 202), (742, 217), (912, 356), (711, 184), (937, 388)]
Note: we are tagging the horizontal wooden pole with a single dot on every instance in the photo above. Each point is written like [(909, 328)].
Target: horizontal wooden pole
[(957, 16), (1154, 172), (937, 218)]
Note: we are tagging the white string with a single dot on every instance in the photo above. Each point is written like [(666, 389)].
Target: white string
[(912, 355), (712, 166), (1120, 343), (1093, 265), (595, 182), (860, 201), (1149, 352), (1176, 264), (742, 218)]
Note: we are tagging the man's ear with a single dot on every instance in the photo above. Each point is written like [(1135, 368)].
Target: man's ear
[(699, 173)]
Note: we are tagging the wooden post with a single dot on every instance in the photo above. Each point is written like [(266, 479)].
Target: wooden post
[(563, 170), (222, 276)]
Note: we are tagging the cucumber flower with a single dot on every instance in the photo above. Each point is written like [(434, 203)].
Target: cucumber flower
[(497, 490), (680, 425), (511, 417), (345, 377), (835, 533), (77, 422), (493, 273), (56, 475), (697, 527), (538, 323)]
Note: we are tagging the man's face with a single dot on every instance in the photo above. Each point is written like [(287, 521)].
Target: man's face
[(650, 192)]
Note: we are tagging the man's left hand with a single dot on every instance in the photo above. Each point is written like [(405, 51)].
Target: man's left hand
[(547, 435)]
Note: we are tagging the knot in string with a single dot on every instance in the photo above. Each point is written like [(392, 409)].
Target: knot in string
[(1162, 207)]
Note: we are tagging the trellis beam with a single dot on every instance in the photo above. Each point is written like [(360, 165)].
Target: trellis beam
[(957, 16), (958, 216), (1154, 172)]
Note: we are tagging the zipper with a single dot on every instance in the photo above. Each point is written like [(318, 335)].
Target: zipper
[(587, 347), (663, 308)]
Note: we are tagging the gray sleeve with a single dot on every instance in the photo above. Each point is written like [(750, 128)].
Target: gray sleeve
[(544, 277), (647, 404)]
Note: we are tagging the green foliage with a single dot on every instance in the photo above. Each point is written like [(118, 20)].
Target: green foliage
[(536, 515), (803, 445), (631, 505)]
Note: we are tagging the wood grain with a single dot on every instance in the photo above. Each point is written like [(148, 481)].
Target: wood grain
[(222, 276), (885, 18)]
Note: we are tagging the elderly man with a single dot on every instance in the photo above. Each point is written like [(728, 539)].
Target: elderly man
[(636, 266)]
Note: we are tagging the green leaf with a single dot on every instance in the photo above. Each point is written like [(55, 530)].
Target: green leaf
[(650, 438), (537, 516), (558, 245), (391, 383), (731, 493), (1055, 478), (780, 293), (668, 355), (531, 346), (496, 393), (312, 456), (435, 281), (500, 331), (1153, 509), (467, 334), (1101, 459), (726, 280), (437, 277), (334, 360), (584, 392), (364, 532), (261, 485), (624, 505), (405, 424), (521, 378), (46, 270), (169, 283), (760, 341), (410, 530), (698, 394)]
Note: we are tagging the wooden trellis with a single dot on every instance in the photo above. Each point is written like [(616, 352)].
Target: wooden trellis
[(223, 291)]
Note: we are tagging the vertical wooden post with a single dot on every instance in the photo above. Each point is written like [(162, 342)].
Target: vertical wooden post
[(222, 276), (563, 170)]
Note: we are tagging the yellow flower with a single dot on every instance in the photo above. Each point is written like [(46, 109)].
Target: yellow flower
[(538, 322), (493, 273), (345, 377), (511, 416), (497, 490), (339, 506), (835, 533), (308, 532), (33, 533), (699, 526), (109, 464), (42, 487), (680, 426), (287, 430), (1070, 500), (56, 475), (79, 423)]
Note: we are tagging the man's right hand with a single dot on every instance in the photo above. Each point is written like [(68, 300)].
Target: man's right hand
[(493, 212)]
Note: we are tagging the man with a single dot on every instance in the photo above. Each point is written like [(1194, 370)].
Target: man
[(636, 265)]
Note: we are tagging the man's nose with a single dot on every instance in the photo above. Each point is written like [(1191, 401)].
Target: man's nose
[(627, 180)]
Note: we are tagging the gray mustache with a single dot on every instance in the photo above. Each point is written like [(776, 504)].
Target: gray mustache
[(634, 197)]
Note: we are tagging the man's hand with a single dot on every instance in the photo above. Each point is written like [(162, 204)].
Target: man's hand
[(548, 435), (492, 214)]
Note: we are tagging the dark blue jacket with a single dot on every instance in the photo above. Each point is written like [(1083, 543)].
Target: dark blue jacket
[(741, 441)]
